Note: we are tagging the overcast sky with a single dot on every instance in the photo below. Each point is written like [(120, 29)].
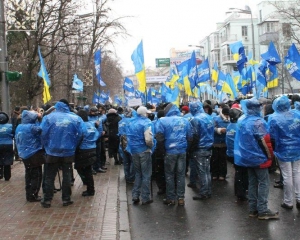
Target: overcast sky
[(164, 24)]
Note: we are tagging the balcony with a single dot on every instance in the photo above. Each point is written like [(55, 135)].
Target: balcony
[(228, 60), (265, 38), (229, 38)]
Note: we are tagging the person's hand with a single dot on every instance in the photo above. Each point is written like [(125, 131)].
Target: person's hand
[(223, 130)]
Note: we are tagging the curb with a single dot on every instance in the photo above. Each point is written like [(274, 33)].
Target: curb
[(123, 220)]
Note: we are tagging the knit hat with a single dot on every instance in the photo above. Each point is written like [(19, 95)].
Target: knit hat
[(64, 101), (3, 118), (143, 111), (112, 110), (185, 108)]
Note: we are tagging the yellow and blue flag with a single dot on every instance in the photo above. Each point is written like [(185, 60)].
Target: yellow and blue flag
[(252, 61), (239, 55), (229, 87), (272, 76), (192, 70), (186, 81), (43, 74), (138, 61), (292, 62), (215, 72)]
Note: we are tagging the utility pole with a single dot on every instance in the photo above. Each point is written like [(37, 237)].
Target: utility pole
[(5, 102)]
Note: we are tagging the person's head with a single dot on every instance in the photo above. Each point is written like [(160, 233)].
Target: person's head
[(112, 111), (120, 110), (207, 108), (185, 110), (93, 111), (281, 104), (64, 101), (295, 98), (160, 113), (251, 107), (143, 111), (225, 111), (234, 114), (128, 112), (3, 118), (83, 114), (17, 109), (196, 107)]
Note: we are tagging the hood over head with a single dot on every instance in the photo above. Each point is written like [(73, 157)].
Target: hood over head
[(29, 116), (281, 104), (171, 110), (196, 107)]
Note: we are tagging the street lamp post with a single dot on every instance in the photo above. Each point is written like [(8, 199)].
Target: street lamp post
[(247, 10)]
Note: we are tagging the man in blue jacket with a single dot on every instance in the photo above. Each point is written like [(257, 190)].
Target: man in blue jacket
[(174, 132), (140, 143), (61, 134), (203, 139)]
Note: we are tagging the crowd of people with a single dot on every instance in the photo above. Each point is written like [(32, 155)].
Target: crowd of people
[(163, 143)]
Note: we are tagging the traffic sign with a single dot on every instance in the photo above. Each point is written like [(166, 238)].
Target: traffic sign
[(162, 62)]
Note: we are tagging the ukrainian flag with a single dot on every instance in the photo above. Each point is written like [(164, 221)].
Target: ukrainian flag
[(43, 74), (229, 87), (214, 73), (138, 60)]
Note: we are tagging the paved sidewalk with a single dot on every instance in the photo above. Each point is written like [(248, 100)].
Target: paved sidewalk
[(94, 217)]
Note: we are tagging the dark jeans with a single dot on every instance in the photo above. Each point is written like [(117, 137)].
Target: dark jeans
[(219, 162), (202, 162), (97, 164), (128, 167), (193, 171), (258, 189), (160, 174), (86, 176), (240, 181), (33, 181), (50, 172)]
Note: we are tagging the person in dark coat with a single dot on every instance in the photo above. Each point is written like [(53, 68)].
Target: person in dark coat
[(113, 139), (28, 141), (6, 146), (86, 153)]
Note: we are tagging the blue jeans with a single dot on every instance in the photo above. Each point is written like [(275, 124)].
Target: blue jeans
[(175, 163), (128, 166), (202, 162), (258, 189), (143, 171)]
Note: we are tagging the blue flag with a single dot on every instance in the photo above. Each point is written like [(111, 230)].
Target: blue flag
[(203, 72), (239, 55), (77, 83), (43, 74), (117, 100), (271, 56), (221, 79), (97, 60), (292, 62), (128, 85), (192, 70)]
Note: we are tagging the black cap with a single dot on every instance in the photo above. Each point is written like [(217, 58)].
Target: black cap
[(64, 101)]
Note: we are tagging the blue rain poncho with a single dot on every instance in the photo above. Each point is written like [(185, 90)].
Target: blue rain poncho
[(94, 119), (137, 126), (61, 131), (176, 131), (220, 122), (90, 136), (251, 127), (6, 134), (230, 135), (284, 127), (202, 126), (28, 135)]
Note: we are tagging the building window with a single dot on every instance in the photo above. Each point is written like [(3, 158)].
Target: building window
[(286, 29), (244, 31), (270, 27)]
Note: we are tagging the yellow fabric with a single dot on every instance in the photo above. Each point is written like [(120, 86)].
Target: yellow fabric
[(273, 83), (141, 77), (46, 93)]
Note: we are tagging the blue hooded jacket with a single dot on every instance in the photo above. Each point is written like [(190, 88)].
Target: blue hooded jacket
[(61, 131), (28, 135), (202, 126), (250, 128), (177, 131), (90, 136), (136, 127), (284, 127)]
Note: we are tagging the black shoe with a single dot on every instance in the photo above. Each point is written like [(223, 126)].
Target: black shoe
[(1, 176), (147, 202), (242, 198), (67, 203), (104, 168), (268, 215), (201, 197), (169, 202), (278, 181), (129, 182), (253, 214), (135, 200), (161, 191), (34, 199), (46, 204), (87, 194), (94, 172), (284, 205), (192, 185), (117, 163), (278, 185), (100, 170)]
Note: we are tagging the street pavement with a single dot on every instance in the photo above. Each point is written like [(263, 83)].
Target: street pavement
[(220, 218), (94, 217)]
